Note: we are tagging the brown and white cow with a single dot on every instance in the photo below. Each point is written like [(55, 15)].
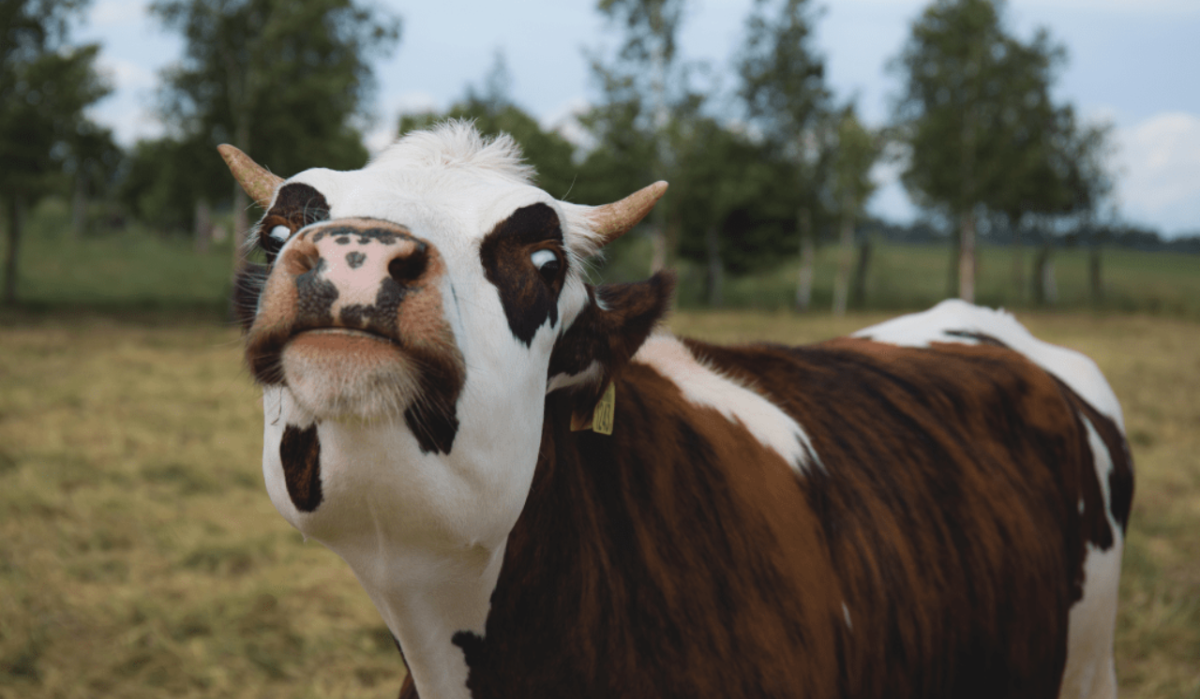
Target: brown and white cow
[(934, 507)]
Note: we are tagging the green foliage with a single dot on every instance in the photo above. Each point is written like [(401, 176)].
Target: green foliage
[(857, 150), (978, 119), (130, 271), (782, 76), (278, 78), (45, 86), (164, 177)]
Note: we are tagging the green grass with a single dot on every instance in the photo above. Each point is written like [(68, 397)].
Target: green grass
[(141, 557), (136, 271), (131, 271), (907, 277)]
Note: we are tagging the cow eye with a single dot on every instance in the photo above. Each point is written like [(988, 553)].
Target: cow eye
[(547, 264), (272, 238)]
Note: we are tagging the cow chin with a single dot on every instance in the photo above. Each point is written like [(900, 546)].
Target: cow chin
[(339, 374)]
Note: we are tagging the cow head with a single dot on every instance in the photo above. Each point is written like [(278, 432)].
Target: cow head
[(409, 323)]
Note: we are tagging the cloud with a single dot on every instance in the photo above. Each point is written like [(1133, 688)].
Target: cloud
[(126, 75), (1136, 7), (107, 13), (1159, 170), (564, 120)]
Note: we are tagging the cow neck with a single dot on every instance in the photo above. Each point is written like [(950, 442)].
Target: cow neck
[(429, 618), (433, 586)]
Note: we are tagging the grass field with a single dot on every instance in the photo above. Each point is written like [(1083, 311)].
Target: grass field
[(137, 271), (140, 556)]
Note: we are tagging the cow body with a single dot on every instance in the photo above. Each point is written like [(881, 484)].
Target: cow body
[(932, 544), (933, 508)]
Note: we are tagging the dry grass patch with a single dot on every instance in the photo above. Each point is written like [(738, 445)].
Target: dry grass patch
[(140, 556)]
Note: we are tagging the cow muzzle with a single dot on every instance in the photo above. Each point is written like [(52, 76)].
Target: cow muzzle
[(351, 320)]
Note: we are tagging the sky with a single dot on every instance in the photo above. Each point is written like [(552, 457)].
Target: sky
[(1132, 63)]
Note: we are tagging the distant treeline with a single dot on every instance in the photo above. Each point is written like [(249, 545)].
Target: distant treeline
[(1121, 236)]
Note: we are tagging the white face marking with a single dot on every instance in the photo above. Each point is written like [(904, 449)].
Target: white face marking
[(1074, 369), (703, 386)]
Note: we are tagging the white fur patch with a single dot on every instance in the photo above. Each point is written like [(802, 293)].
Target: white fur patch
[(704, 386), (1073, 368), (1090, 673)]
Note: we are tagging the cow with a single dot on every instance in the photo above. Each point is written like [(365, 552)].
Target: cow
[(545, 493)]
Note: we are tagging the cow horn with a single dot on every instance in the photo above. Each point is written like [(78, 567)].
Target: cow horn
[(611, 221), (255, 179)]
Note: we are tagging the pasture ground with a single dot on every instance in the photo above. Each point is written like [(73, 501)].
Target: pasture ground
[(140, 556)]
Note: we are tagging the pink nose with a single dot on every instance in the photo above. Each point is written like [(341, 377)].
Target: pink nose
[(356, 273)]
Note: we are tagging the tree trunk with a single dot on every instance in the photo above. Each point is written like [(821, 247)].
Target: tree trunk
[(202, 225), (716, 270), (955, 254), (1095, 276), (807, 259), (858, 287), (1018, 263), (16, 216), (79, 204), (966, 259), (1045, 290), (841, 286)]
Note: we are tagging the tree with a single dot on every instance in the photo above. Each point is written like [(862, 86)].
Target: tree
[(642, 91), (45, 86), (976, 115), (92, 159), (727, 188), (856, 152), (283, 79), (783, 88)]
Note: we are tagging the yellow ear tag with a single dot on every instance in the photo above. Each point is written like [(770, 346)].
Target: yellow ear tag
[(601, 421)]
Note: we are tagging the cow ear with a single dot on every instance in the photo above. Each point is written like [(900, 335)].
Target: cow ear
[(608, 332)]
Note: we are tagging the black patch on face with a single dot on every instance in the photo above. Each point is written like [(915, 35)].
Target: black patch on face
[(355, 259), (433, 420), (315, 296), (528, 300), (300, 204), (345, 233), (380, 316), (296, 206), (300, 452)]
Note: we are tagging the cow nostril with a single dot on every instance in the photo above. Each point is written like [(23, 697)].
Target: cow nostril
[(408, 268)]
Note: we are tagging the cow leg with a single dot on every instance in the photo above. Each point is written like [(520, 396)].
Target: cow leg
[(1090, 673)]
